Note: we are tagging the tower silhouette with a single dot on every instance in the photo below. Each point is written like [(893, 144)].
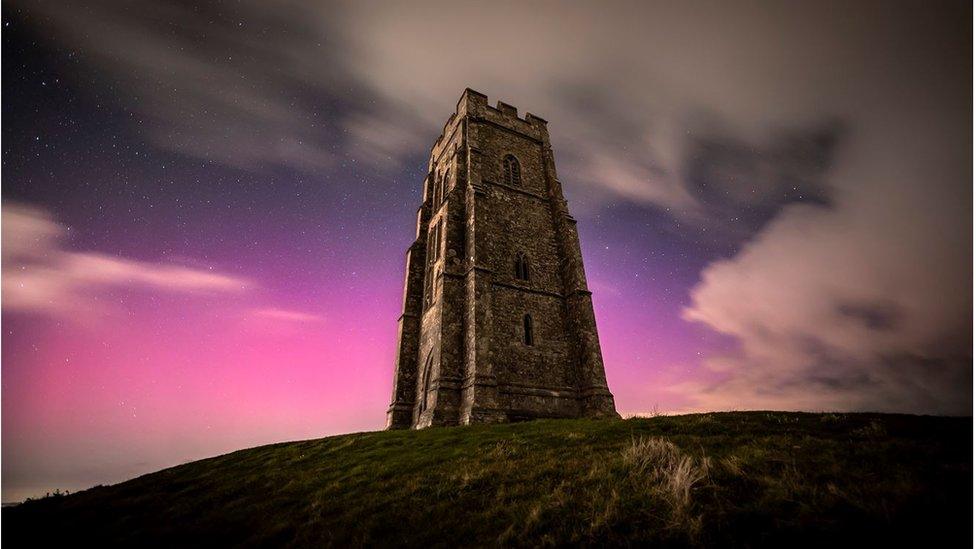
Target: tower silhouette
[(497, 321)]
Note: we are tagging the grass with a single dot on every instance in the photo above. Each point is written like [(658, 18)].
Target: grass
[(746, 479)]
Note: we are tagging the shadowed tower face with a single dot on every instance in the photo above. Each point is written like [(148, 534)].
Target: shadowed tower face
[(497, 321)]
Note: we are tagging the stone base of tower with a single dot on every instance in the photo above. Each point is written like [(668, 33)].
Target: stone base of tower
[(399, 416), (479, 402), (598, 403), (483, 415), (444, 415)]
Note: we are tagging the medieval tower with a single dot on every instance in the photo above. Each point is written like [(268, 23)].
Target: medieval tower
[(497, 321)]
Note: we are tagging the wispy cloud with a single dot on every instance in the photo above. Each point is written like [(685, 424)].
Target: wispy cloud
[(287, 315), (245, 86), (264, 84), (41, 275)]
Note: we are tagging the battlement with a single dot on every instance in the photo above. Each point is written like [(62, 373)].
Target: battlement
[(475, 104), (477, 99)]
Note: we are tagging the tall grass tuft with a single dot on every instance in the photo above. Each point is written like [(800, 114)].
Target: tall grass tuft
[(666, 473)]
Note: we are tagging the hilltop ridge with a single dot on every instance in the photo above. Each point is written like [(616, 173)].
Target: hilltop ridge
[(721, 479)]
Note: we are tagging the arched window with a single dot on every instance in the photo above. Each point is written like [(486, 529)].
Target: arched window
[(513, 172), (521, 266), (527, 335)]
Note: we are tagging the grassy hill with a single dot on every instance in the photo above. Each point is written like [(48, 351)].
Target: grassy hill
[(725, 480)]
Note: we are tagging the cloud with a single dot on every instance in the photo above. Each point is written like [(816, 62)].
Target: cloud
[(636, 92), (287, 315), (863, 299), (374, 140), (865, 304), (244, 87), (636, 182), (41, 275), (715, 126), (260, 85)]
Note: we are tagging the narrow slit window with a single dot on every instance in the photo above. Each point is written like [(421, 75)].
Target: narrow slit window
[(527, 335), (521, 266), (513, 172)]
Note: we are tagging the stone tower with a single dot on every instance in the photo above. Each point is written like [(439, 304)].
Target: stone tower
[(497, 321)]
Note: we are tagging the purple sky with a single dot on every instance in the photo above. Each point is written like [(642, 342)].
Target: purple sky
[(205, 210)]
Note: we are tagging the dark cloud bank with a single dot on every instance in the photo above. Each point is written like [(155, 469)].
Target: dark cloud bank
[(828, 142)]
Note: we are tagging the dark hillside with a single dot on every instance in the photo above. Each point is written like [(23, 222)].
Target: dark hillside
[(724, 480)]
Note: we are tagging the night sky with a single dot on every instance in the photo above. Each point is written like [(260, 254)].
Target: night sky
[(206, 209)]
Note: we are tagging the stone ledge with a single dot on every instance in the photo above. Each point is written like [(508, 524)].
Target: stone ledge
[(527, 289), (521, 389), (517, 190)]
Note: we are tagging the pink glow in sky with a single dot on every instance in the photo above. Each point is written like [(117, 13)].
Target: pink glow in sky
[(106, 377)]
